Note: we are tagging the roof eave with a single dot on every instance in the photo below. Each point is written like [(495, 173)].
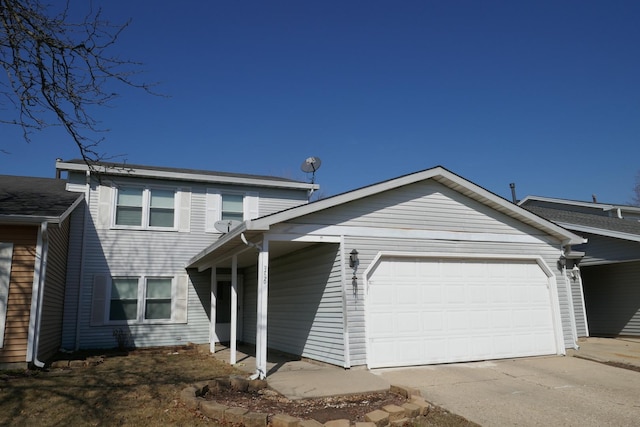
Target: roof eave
[(601, 232), (185, 176)]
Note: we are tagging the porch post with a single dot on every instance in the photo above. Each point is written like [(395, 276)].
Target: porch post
[(212, 311), (234, 308), (261, 326)]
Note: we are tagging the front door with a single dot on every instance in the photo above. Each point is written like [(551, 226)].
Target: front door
[(223, 310)]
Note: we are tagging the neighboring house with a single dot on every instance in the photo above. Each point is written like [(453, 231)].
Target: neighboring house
[(127, 283), (425, 268), (609, 273), (34, 234)]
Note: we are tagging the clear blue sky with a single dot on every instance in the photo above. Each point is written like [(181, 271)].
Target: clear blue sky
[(545, 94)]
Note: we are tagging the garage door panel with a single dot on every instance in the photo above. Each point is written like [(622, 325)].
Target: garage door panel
[(439, 311)]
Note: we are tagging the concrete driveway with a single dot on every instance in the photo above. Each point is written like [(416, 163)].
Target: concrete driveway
[(564, 391)]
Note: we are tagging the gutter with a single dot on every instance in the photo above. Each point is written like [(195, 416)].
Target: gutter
[(37, 296), (87, 213)]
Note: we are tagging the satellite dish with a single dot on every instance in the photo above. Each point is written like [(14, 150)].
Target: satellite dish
[(226, 225), (311, 164)]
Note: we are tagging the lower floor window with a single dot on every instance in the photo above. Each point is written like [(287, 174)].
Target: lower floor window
[(140, 298)]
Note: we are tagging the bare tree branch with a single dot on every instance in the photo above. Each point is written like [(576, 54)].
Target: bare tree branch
[(57, 71)]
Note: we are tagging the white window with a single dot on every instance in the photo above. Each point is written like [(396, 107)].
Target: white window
[(223, 205), (232, 207), (143, 300), (145, 208)]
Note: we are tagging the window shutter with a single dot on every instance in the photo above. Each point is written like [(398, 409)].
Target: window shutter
[(180, 299), (212, 210), (6, 253), (184, 206), (99, 300), (104, 205), (251, 209)]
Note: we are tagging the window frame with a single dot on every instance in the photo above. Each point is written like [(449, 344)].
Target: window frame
[(141, 298), (232, 193), (146, 208)]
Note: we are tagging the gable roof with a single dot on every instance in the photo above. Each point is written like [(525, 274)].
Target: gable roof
[(34, 200), (438, 173), (181, 174), (593, 223)]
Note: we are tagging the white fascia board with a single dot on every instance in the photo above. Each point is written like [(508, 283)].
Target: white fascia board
[(193, 177), (602, 206), (398, 233), (71, 208), (601, 232), (193, 262)]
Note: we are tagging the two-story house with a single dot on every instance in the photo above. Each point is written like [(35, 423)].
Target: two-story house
[(424, 268), (127, 283)]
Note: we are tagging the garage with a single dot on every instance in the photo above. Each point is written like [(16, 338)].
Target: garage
[(428, 310)]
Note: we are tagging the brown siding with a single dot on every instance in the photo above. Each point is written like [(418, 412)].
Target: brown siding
[(24, 239)]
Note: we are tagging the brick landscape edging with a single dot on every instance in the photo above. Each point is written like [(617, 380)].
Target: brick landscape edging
[(389, 415)]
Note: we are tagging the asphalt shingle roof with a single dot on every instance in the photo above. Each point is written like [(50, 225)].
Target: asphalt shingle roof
[(38, 197), (125, 166), (587, 220)]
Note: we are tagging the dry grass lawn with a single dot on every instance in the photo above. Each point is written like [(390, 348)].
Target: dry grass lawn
[(140, 388)]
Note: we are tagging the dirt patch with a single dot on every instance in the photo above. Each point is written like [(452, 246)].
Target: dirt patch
[(352, 407)]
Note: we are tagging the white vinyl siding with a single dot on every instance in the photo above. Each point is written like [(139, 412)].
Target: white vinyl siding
[(430, 208), (612, 298), (6, 254), (305, 304), (102, 251)]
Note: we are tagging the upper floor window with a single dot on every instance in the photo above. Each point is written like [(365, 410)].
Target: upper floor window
[(232, 207), (145, 207), (223, 205)]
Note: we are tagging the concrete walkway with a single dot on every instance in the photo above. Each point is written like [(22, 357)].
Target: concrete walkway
[(302, 379), (298, 379), (609, 350)]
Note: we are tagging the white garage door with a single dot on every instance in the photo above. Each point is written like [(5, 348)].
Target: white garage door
[(425, 311)]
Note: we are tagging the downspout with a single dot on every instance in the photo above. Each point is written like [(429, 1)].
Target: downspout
[(39, 281), (87, 213)]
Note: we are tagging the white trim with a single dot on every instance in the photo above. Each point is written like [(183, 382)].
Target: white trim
[(212, 310), (601, 206), (233, 335), (601, 231), (551, 283), (345, 306), (572, 312), (399, 233), (6, 257), (262, 307), (39, 270), (313, 238), (584, 307)]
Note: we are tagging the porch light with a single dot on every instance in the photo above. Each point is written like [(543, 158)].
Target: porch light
[(562, 262), (353, 259)]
